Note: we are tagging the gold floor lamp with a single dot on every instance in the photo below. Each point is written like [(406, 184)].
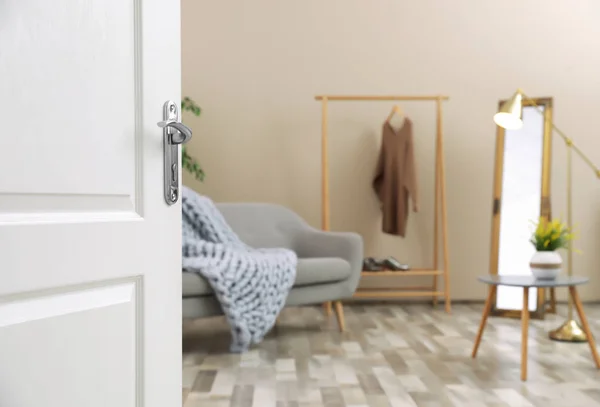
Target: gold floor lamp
[(510, 116)]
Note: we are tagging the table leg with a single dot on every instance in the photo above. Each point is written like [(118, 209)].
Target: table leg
[(524, 333), (486, 311), (585, 325), (552, 309)]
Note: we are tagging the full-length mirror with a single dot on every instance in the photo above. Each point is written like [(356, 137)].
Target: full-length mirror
[(521, 195)]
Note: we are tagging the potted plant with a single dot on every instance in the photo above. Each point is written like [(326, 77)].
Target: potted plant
[(549, 236), (189, 163)]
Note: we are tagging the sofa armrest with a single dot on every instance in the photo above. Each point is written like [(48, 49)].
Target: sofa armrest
[(310, 242), (267, 225)]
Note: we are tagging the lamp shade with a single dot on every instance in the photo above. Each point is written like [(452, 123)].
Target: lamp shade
[(510, 114)]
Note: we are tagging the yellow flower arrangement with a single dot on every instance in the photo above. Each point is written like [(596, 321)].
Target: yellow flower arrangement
[(551, 235)]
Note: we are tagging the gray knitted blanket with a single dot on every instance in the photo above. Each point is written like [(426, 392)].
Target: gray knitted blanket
[(251, 284)]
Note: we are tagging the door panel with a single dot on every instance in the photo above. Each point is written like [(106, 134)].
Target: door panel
[(90, 253), (75, 91), (104, 377)]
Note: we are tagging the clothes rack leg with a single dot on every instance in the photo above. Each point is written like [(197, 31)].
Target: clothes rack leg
[(324, 181), (436, 216), (444, 208)]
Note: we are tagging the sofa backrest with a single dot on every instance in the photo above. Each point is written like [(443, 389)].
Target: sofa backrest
[(262, 225)]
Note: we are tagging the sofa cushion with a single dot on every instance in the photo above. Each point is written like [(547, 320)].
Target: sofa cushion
[(311, 271), (194, 285)]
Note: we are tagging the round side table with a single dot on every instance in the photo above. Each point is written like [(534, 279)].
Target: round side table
[(527, 282)]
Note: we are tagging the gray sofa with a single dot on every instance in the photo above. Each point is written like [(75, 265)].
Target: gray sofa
[(329, 263)]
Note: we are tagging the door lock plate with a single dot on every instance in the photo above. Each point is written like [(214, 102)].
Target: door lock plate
[(174, 134)]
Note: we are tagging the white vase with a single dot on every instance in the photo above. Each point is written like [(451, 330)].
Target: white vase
[(546, 265)]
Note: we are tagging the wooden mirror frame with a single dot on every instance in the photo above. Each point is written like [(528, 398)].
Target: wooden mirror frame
[(545, 207)]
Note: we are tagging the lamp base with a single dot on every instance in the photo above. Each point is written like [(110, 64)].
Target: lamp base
[(570, 331)]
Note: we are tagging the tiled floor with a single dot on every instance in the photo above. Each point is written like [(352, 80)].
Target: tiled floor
[(390, 356)]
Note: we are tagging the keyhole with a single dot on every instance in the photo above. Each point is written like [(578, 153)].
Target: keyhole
[(174, 172)]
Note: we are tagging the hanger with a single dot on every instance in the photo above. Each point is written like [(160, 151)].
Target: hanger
[(395, 110)]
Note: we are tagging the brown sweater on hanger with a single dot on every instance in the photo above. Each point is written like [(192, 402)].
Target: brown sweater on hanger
[(396, 178)]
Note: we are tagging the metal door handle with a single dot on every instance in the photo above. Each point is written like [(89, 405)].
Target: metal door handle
[(183, 133), (174, 134)]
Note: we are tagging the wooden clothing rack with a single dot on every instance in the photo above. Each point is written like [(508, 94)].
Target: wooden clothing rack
[(440, 209)]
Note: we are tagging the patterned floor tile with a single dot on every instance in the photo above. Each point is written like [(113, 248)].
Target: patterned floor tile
[(391, 355)]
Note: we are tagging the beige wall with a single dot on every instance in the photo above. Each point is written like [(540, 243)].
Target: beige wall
[(255, 66)]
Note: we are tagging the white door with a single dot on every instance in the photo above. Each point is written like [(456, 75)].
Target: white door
[(90, 278)]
